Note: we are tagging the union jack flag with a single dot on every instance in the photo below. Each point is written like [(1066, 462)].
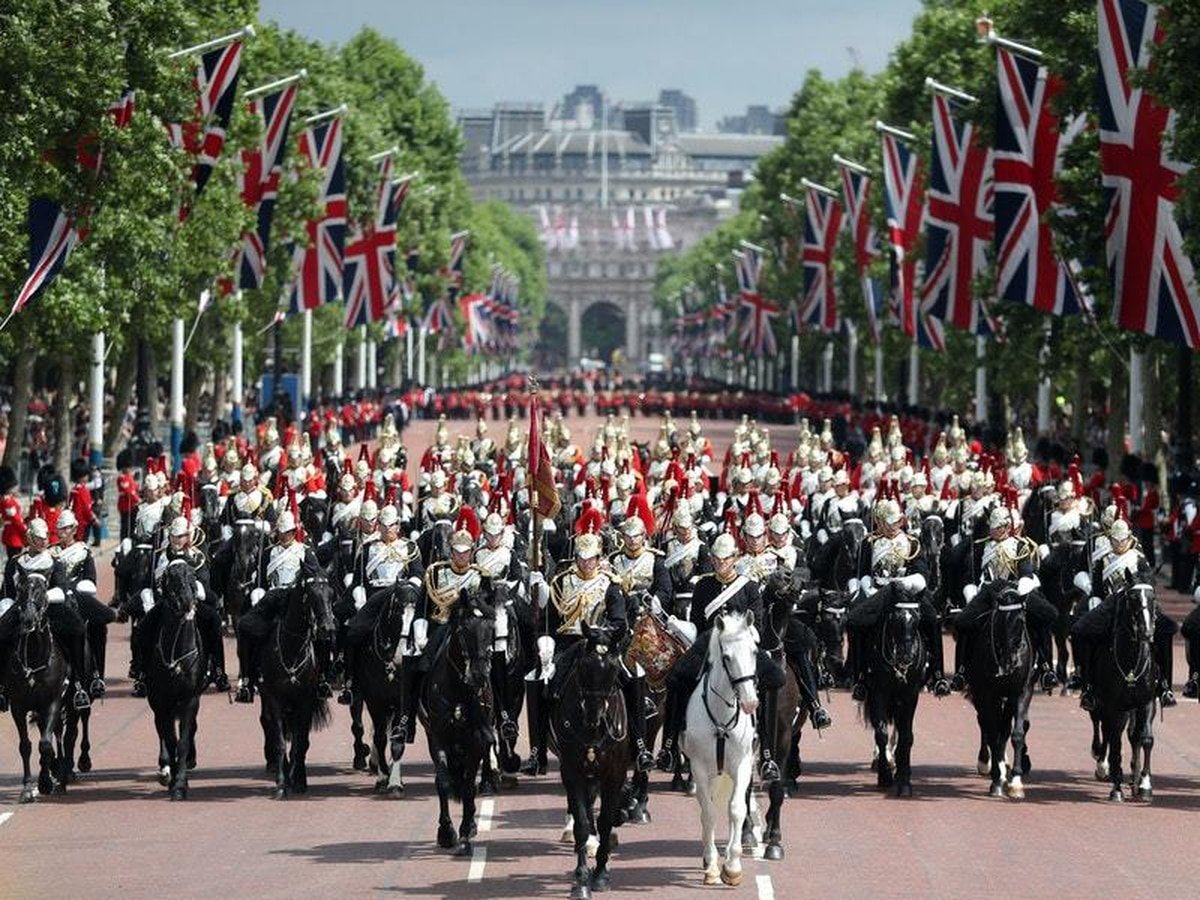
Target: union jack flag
[(1029, 147), (318, 267), (262, 168), (54, 232), (959, 223), (437, 317), (856, 188), (822, 222), (454, 267), (204, 136), (1154, 284), (398, 289), (903, 194), (757, 336), (370, 257)]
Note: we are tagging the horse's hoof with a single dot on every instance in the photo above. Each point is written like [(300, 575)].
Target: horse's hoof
[(601, 881), (581, 892), (1145, 794), (360, 762), (300, 787), (487, 788), (28, 795), (381, 785), (613, 842), (164, 776), (1115, 796), (1102, 771), (1026, 764), (733, 879), (567, 836), (446, 838), (904, 790), (983, 767), (395, 791), (712, 876), (280, 794), (1014, 790), (641, 815), (463, 849), (179, 794), (191, 764), (996, 790), (85, 764), (773, 852), (689, 788)]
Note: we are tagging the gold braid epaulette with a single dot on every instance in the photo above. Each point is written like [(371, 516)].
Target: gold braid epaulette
[(443, 599), (571, 610)]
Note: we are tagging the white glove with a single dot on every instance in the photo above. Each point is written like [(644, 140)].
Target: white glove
[(545, 650), (655, 605), (360, 597), (913, 584), (126, 546), (200, 595), (822, 536), (1196, 595), (852, 585), (969, 592), (226, 532), (1093, 602), (1083, 581), (326, 537), (865, 584), (1027, 584), (420, 633), (955, 539), (682, 629), (85, 586), (1043, 551), (147, 596), (256, 595), (805, 528), (6, 603), (264, 526), (348, 579)]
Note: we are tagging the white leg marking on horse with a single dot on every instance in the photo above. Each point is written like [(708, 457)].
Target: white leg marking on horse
[(478, 861), (766, 888), (486, 809), (4, 817)]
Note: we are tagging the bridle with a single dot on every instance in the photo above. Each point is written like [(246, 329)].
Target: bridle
[(1010, 664), (41, 626), (174, 664), (1145, 655), (901, 668)]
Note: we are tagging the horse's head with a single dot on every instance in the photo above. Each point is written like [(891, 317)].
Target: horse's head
[(853, 532), (474, 630), (933, 535), (314, 511), (140, 569), (597, 671), (1137, 609), (179, 588), (735, 642), (317, 596), (210, 502), (903, 648), (832, 610), (1009, 635), (247, 544), (32, 602)]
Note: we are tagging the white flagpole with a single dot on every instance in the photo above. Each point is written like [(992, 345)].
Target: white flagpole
[(1137, 399), (306, 363), (372, 359), (879, 371), (421, 358), (408, 350), (96, 421), (236, 372), (176, 389), (339, 368), (981, 406), (827, 368), (852, 358), (914, 374), (224, 40), (795, 362), (1043, 394), (361, 381)]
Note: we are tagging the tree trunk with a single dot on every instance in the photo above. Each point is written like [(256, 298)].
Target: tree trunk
[(22, 389), (219, 396), (1081, 401), (63, 432), (1152, 414), (152, 400), (1118, 419), (122, 394), (191, 397)]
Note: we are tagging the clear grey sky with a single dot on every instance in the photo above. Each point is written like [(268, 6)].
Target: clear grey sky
[(726, 54)]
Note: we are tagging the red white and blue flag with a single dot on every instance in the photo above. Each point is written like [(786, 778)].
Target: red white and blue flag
[(317, 268), (856, 189), (53, 231), (1028, 158), (958, 223), (370, 257), (204, 135), (262, 167), (904, 196), (1154, 284), (822, 224), (757, 336), (398, 290), (438, 318)]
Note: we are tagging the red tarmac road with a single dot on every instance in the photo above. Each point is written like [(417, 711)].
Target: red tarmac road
[(115, 833)]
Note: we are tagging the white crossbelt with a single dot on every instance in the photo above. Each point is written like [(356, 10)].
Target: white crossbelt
[(720, 600)]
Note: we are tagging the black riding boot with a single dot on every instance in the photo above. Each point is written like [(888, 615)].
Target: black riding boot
[(97, 633), (534, 696), (635, 702), (1083, 664), (247, 651), (674, 720), (768, 769), (410, 690), (350, 658), (1191, 689), (806, 674), (1166, 667), (958, 681), (858, 665), (937, 659), (323, 650), (216, 655), (509, 731), (77, 657)]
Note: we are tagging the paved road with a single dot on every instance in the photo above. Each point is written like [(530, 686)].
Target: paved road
[(115, 832)]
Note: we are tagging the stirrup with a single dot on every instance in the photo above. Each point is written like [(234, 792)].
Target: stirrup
[(666, 756), (139, 688), (509, 730), (81, 700), (244, 692), (644, 761), (1049, 681), (1167, 698), (859, 691), (820, 718), (531, 765), (958, 682), (346, 697), (768, 770), (324, 691), (1087, 700), (221, 682), (97, 688)]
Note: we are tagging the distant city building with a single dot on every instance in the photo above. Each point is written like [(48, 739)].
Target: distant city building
[(684, 107), (758, 119), (584, 106), (608, 204)]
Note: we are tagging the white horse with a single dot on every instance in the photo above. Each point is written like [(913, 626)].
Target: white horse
[(719, 739)]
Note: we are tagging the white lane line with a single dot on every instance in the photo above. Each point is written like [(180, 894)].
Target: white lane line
[(4, 817), (478, 861), (766, 889), (486, 810)]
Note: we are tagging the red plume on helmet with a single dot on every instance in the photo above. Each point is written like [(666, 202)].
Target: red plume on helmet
[(731, 523), (369, 492), (590, 521), (391, 493), (925, 472), (775, 458), (856, 476), (691, 461), (1075, 478), (754, 503), (364, 453), (947, 489), (780, 503), (295, 508), (467, 520), (347, 466), (281, 482), (640, 507)]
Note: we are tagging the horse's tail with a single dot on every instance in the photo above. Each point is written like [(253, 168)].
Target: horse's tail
[(321, 716)]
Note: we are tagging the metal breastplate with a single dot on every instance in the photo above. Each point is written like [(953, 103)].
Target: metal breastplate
[(635, 573), (494, 563), (581, 601), (72, 559), (283, 569), (447, 586), (149, 516), (758, 567), (386, 562), (682, 568), (35, 564)]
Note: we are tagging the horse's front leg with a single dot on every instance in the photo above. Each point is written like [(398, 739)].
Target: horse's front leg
[(904, 742), (186, 749), (1114, 728), (301, 734), (1099, 751), (66, 758), (1020, 755), (578, 805), (468, 828), (883, 765), (1145, 739), (441, 778), (356, 730), (51, 725), (379, 725), (25, 746), (731, 869), (279, 739), (168, 746), (396, 746), (85, 740), (610, 805)]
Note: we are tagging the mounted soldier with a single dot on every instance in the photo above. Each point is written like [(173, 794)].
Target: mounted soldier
[(77, 571), (686, 559)]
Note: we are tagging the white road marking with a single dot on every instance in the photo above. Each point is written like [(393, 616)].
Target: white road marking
[(766, 890), (478, 861), (4, 817), (486, 809)]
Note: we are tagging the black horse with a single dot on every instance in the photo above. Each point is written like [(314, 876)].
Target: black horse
[(434, 542), (176, 674), (134, 574), (247, 545), (896, 662), (839, 559), (510, 662), (291, 706), (36, 680), (210, 512), (591, 733), (457, 711), (379, 685), (1000, 673), (314, 515), (1057, 574), (1125, 677), (933, 540)]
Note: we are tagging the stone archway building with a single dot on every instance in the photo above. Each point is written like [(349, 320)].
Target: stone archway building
[(609, 203)]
